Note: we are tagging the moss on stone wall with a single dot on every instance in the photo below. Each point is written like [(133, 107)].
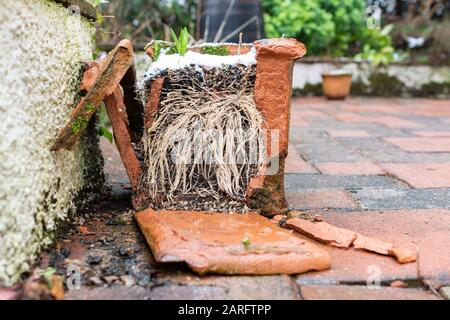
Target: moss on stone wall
[(382, 84), (43, 47), (434, 89)]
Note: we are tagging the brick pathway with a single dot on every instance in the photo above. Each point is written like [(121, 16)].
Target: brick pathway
[(369, 154), (378, 166), (382, 168)]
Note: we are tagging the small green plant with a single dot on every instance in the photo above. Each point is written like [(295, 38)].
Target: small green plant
[(156, 51), (102, 131), (215, 50), (246, 242), (181, 42)]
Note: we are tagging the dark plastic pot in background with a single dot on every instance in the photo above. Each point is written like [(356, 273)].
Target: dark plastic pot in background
[(244, 16)]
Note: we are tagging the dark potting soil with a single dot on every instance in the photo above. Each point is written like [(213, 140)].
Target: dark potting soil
[(230, 77)]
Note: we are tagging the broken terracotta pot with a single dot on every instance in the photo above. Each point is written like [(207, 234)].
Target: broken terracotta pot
[(123, 137), (228, 243), (208, 242), (99, 81), (403, 255), (272, 94), (112, 80), (323, 232), (344, 238)]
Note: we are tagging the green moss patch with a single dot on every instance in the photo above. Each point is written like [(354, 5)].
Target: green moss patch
[(80, 123), (215, 50), (434, 89), (384, 85)]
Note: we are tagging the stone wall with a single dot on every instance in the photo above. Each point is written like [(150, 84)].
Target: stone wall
[(42, 47), (395, 80)]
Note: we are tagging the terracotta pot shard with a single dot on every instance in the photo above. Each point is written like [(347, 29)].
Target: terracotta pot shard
[(111, 72), (115, 108), (371, 244), (403, 255), (272, 95), (323, 232), (344, 238), (153, 101), (228, 244)]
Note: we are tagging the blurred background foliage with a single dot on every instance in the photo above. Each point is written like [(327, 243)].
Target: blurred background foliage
[(143, 20), (417, 29), (333, 27)]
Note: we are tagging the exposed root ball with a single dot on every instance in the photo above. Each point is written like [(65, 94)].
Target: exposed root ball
[(202, 144)]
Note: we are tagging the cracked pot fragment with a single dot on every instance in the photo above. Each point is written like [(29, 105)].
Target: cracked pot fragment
[(112, 70), (228, 244), (344, 238), (273, 90)]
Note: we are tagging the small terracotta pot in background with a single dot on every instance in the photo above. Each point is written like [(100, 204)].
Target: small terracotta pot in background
[(336, 84)]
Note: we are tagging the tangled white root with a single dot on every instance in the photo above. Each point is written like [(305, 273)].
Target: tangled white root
[(203, 143)]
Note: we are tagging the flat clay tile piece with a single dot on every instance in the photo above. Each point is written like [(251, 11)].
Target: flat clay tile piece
[(228, 243), (403, 255), (344, 238), (372, 244), (323, 232)]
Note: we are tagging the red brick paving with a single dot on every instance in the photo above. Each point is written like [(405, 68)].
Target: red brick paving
[(432, 134), (349, 168), (432, 111), (320, 199), (113, 164), (388, 109), (345, 292), (427, 108), (309, 113), (395, 123), (353, 117), (349, 133), (113, 293), (427, 229), (388, 121), (310, 102), (296, 164), (298, 120), (415, 144), (421, 175)]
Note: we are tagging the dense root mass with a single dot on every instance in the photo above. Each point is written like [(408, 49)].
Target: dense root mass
[(205, 142)]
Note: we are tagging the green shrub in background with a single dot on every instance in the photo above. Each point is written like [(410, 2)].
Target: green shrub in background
[(377, 46), (327, 27), (301, 19)]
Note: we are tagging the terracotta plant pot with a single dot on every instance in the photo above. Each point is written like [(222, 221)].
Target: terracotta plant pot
[(271, 89), (336, 84)]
